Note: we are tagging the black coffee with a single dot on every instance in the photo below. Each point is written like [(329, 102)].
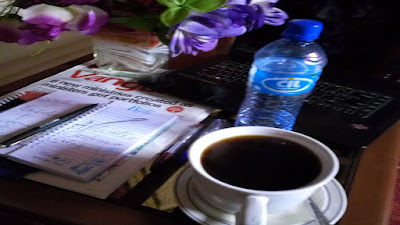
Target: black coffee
[(261, 163)]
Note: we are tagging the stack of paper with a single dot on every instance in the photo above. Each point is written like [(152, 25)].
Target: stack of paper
[(86, 86), (86, 146)]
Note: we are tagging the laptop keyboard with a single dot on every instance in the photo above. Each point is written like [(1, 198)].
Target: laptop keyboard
[(329, 96), (226, 72), (346, 100)]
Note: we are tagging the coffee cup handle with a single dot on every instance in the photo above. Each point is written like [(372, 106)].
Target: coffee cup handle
[(254, 211)]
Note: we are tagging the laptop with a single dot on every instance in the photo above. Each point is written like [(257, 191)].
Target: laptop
[(345, 115), (349, 107), (351, 104), (341, 113)]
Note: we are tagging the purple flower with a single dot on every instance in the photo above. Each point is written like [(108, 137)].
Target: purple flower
[(24, 33), (43, 14), (43, 22), (25, 4), (249, 16), (46, 22), (35, 33), (87, 19), (238, 2), (272, 15), (191, 36), (201, 31), (226, 22), (275, 16)]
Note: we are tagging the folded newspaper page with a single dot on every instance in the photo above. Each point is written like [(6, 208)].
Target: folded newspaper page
[(81, 80)]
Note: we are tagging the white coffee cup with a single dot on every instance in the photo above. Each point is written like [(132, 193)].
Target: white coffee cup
[(251, 207)]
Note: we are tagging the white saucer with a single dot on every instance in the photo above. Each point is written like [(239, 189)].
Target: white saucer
[(331, 199)]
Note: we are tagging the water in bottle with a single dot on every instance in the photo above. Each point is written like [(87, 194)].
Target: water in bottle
[(282, 75)]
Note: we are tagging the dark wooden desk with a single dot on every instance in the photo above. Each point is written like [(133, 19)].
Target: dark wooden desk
[(24, 201), (371, 194)]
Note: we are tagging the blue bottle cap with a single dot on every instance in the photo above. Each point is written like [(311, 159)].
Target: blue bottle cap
[(303, 30)]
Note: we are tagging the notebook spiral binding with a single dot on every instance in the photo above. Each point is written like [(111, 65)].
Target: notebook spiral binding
[(9, 98), (55, 130)]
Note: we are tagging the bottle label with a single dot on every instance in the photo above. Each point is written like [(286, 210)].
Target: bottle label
[(284, 76)]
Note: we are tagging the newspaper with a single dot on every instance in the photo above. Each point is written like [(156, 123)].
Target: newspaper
[(82, 80)]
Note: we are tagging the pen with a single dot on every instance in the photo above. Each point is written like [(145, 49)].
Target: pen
[(217, 124), (29, 133), (164, 168), (178, 146), (183, 143)]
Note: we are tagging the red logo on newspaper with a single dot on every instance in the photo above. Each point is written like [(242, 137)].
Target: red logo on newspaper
[(175, 109)]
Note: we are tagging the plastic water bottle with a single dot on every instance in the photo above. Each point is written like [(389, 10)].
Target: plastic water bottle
[(282, 75)]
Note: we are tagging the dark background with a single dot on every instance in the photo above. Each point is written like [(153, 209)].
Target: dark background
[(358, 35)]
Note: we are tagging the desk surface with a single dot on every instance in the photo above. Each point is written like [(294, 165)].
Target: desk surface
[(22, 201)]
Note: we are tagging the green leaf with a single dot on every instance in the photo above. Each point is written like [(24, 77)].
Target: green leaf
[(179, 2), (146, 23), (172, 3), (173, 16), (205, 5)]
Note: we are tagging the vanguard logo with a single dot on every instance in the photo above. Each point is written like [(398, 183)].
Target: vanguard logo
[(120, 83), (287, 85)]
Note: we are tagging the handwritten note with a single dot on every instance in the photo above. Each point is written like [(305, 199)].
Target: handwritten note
[(34, 113), (84, 148)]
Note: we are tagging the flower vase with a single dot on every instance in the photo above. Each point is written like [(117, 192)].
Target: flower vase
[(123, 51)]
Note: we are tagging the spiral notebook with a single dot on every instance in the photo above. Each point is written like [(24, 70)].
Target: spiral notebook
[(16, 99), (85, 146)]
